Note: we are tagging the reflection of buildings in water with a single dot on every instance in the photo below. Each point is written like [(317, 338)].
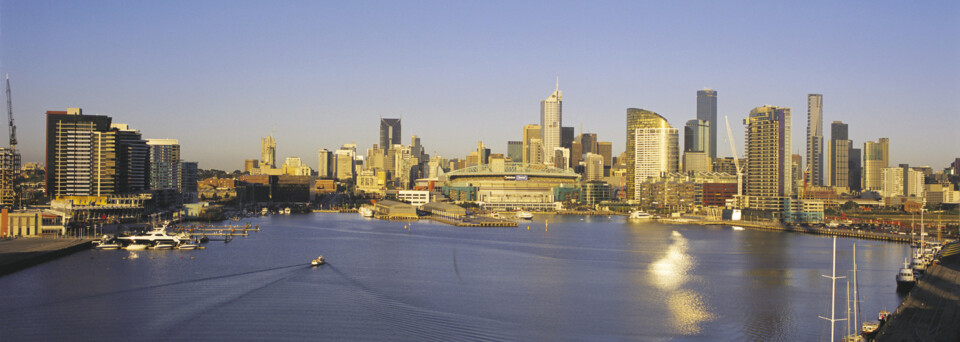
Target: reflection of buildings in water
[(766, 267), (669, 274)]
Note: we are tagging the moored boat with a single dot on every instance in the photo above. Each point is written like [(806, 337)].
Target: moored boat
[(869, 329), (906, 279), (365, 211), (640, 215), (135, 247), (524, 215)]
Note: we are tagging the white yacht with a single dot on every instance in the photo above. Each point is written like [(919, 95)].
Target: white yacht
[(135, 247), (919, 265), (906, 279), (640, 215), (156, 236), (524, 215)]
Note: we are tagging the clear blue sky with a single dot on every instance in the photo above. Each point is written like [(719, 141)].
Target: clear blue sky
[(220, 75)]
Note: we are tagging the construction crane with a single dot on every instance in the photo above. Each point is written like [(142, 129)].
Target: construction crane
[(736, 163), (13, 128)]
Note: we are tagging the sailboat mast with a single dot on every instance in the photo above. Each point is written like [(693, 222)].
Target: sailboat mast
[(833, 293), (856, 292)]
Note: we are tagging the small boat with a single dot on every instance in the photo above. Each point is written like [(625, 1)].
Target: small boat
[(187, 245), (318, 261), (869, 329), (108, 246), (883, 316), (264, 211), (365, 212), (286, 211), (162, 245), (737, 228), (906, 279), (524, 215), (640, 215), (135, 247)]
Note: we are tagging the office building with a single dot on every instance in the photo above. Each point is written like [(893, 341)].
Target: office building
[(389, 133), (189, 175), (768, 173), (876, 157), (697, 161), (515, 151), (707, 111), (658, 135), (815, 139), (856, 170), (593, 167), (323, 163), (605, 149), (901, 181), (251, 164), (837, 170), (81, 154), (696, 136), (561, 158), (551, 119), (530, 132), (9, 170)]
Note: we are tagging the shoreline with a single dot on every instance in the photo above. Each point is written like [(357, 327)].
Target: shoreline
[(866, 235)]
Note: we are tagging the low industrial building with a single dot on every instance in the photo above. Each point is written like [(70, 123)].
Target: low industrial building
[(394, 209), (445, 210), (32, 223)]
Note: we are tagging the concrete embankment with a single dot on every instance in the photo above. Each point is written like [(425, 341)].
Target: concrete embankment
[(19, 254), (859, 234), (931, 311)]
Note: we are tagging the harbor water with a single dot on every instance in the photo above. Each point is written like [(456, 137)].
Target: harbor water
[(574, 279)]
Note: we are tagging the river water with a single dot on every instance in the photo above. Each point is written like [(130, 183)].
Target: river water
[(574, 279)]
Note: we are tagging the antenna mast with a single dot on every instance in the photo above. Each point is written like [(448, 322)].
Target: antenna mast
[(13, 128)]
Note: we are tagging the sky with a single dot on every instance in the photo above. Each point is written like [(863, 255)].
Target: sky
[(219, 75)]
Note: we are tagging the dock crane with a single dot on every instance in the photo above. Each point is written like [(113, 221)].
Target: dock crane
[(13, 128)]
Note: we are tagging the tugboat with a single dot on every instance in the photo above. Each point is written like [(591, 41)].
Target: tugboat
[(318, 261)]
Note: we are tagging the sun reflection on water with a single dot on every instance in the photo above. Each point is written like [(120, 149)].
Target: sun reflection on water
[(669, 274)]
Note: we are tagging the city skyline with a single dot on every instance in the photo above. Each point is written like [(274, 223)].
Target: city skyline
[(272, 81)]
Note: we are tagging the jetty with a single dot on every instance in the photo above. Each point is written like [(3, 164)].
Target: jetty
[(18, 254), (931, 311), (774, 226)]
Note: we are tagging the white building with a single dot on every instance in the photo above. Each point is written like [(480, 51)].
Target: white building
[(593, 167), (656, 152), (551, 118)]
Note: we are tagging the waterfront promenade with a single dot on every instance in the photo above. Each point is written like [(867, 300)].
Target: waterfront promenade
[(18, 254), (931, 312), (859, 234)]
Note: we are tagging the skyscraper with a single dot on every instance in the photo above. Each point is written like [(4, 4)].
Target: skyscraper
[(531, 132), (593, 168), (268, 153), (9, 170), (837, 172), (856, 170), (605, 149), (656, 152), (876, 157), (81, 154), (637, 119), (323, 163), (551, 118), (707, 111), (815, 139), (696, 136), (389, 133), (769, 159)]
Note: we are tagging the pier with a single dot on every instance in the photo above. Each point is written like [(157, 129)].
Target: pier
[(486, 223), (858, 234), (931, 311), (19, 254)]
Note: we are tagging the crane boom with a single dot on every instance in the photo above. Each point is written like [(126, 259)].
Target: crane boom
[(13, 128)]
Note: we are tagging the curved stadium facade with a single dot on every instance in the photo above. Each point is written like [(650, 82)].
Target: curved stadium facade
[(508, 186)]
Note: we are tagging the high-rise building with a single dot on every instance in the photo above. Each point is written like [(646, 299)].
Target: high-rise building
[(81, 154), (656, 151), (696, 136), (9, 169), (796, 169), (530, 132), (165, 165), (551, 119), (536, 151), (697, 161), (576, 154), (901, 181), (707, 111), (561, 157), (837, 171), (593, 167), (815, 139), (345, 164), (268, 152), (515, 151), (768, 173), (389, 133), (645, 119), (416, 150), (856, 170), (483, 154), (250, 164), (323, 163), (605, 149), (566, 136), (588, 143), (876, 157), (189, 172), (133, 160)]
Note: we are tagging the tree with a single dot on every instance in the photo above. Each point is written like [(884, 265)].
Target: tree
[(849, 206)]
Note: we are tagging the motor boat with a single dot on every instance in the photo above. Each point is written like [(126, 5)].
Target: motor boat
[(919, 265), (318, 261), (286, 211), (365, 212), (162, 245), (187, 245), (104, 245), (524, 215), (640, 215), (906, 279), (869, 329), (135, 247)]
